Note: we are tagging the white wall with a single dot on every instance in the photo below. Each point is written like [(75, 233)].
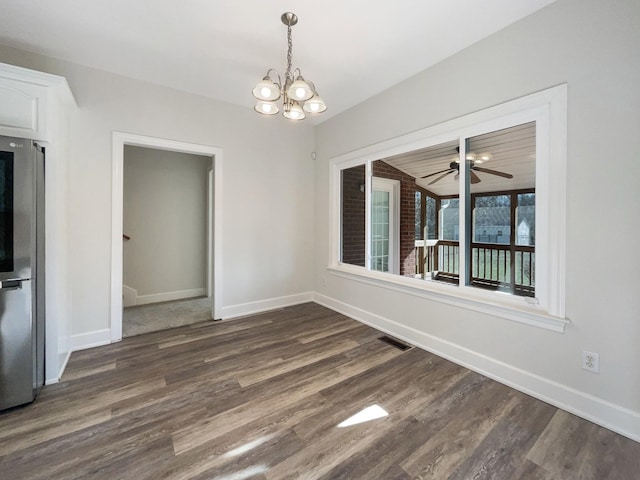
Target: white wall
[(165, 216), (593, 46), (267, 214), (268, 218)]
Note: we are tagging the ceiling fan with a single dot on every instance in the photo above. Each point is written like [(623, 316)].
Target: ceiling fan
[(454, 166)]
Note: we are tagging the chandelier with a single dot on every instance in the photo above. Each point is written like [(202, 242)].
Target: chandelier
[(298, 95)]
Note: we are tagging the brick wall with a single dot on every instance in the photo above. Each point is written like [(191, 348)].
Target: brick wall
[(353, 215), (408, 189)]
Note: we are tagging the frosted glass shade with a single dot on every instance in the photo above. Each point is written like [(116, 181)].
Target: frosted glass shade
[(300, 90), (314, 105), (266, 90), (266, 108), (294, 112)]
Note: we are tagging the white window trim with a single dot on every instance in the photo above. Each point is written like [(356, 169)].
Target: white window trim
[(548, 108)]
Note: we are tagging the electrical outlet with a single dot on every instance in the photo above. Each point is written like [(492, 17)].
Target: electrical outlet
[(591, 361)]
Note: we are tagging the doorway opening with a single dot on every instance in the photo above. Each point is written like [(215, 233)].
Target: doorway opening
[(165, 238), (213, 255)]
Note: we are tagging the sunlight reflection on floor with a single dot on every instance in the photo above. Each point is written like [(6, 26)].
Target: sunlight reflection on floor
[(372, 412), (243, 474), (249, 446)]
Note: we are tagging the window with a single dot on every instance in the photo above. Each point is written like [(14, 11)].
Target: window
[(475, 209), (353, 215), (425, 216), (503, 247)]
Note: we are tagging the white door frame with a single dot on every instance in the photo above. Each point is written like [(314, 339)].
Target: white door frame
[(214, 248)]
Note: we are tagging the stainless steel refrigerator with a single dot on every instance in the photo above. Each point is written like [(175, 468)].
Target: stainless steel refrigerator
[(22, 275)]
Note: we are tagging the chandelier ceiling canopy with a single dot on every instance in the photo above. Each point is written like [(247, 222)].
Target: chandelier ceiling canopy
[(298, 95)]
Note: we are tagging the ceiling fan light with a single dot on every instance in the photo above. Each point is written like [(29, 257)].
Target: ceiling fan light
[(266, 108), (484, 157), (294, 112), (314, 105), (266, 90), (471, 156), (300, 90)]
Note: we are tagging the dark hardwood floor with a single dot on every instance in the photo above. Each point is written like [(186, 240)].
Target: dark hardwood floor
[(262, 397)]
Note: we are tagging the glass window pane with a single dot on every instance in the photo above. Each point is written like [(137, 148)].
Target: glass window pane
[(450, 219), (501, 183), (492, 219), (380, 230), (432, 215), (353, 216), (526, 219), (425, 175)]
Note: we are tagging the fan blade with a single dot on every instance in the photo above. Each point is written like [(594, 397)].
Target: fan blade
[(441, 177), (432, 174), (474, 178), (492, 172)]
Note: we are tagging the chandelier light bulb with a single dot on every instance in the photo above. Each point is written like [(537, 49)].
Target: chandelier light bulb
[(266, 108), (300, 90), (314, 105), (294, 111), (266, 90)]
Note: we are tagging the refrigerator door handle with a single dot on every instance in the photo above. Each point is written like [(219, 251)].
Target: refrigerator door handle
[(10, 284)]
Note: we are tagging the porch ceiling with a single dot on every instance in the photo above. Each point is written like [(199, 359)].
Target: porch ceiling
[(513, 150)]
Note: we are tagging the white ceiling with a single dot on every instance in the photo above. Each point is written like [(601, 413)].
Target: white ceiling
[(351, 50)]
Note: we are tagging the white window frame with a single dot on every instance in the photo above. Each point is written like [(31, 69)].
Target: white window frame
[(548, 108)]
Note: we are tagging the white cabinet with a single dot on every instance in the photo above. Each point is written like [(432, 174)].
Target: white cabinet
[(23, 112), (38, 106), (28, 101)]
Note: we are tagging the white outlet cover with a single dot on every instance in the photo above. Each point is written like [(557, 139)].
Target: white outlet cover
[(591, 361)]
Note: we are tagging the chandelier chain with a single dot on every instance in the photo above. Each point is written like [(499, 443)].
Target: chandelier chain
[(289, 54)]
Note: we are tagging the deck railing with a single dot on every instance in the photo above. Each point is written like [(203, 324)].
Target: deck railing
[(491, 264)]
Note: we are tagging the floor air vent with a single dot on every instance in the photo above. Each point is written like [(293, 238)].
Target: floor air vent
[(395, 343)]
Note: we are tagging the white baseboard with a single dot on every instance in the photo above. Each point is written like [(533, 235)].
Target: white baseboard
[(90, 339), (169, 296), (602, 412), (129, 296), (63, 366), (249, 308)]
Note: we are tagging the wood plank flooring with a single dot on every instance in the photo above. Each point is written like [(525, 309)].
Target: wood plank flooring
[(261, 398)]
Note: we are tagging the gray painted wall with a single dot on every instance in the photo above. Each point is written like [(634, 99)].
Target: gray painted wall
[(271, 229), (267, 180), (593, 46), (165, 214)]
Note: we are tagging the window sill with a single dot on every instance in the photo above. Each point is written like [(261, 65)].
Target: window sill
[(517, 309)]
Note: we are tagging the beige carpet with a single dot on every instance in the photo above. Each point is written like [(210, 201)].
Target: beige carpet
[(161, 316)]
